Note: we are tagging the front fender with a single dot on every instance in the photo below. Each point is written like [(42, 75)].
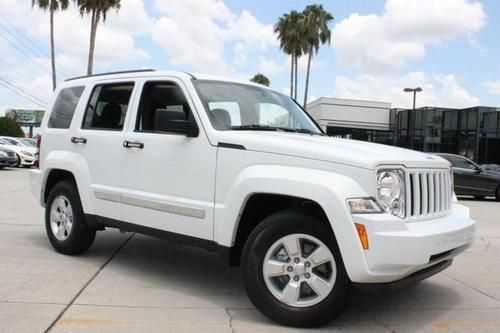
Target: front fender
[(328, 189), (77, 165)]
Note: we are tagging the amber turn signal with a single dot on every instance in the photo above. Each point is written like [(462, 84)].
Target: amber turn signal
[(363, 236)]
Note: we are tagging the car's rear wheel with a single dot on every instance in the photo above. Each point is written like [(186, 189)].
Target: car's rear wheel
[(293, 271), (65, 222)]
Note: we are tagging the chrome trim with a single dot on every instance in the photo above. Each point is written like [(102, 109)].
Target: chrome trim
[(429, 192), (107, 196), (164, 207)]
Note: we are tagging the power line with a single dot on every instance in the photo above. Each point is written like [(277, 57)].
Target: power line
[(22, 35), (35, 48), (22, 90), (12, 67), (27, 55), (20, 95)]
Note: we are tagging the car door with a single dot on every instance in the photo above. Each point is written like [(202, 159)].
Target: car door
[(468, 177), (99, 139), (168, 179)]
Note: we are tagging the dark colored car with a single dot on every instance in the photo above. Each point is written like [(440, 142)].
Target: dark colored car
[(471, 179), (7, 158)]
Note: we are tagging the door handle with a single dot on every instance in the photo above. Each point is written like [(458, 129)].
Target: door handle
[(129, 144), (78, 140)]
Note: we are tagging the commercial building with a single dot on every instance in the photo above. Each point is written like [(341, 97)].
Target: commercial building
[(473, 132)]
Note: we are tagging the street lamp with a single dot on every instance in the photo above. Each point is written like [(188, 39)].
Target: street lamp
[(411, 118)]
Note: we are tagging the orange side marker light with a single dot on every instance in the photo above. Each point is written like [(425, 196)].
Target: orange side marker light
[(363, 236)]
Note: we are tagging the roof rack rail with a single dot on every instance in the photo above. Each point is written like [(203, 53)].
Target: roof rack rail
[(110, 73)]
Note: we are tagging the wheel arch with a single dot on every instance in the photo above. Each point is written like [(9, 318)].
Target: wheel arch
[(326, 190), (63, 165), (259, 206)]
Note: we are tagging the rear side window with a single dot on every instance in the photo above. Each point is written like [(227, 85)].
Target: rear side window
[(64, 107), (108, 106)]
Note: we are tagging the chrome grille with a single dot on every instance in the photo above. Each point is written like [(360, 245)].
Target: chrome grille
[(428, 193)]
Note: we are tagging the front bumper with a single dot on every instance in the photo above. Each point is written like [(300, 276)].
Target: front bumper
[(409, 280), (8, 161), (27, 160), (398, 249)]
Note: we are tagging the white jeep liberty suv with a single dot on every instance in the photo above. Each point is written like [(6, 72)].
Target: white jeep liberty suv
[(241, 170)]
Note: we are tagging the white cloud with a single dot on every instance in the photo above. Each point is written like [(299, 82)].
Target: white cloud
[(270, 67), (493, 87), (196, 32), (115, 44), (378, 43), (438, 90)]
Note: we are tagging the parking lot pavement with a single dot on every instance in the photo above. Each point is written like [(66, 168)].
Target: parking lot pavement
[(132, 283)]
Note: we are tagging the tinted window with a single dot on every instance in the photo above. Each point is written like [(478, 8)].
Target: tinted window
[(258, 107), (13, 142), (460, 162), (108, 106), (161, 97), (64, 107)]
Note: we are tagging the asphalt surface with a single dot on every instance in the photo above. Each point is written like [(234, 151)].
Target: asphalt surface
[(134, 283)]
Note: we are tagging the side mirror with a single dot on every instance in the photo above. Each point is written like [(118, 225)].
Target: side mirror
[(175, 121)]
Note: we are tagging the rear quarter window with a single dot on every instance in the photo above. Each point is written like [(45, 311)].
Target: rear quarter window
[(64, 107)]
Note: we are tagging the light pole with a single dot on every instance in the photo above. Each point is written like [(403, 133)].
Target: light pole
[(411, 116)]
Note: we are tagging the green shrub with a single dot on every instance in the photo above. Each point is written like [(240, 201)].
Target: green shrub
[(8, 127)]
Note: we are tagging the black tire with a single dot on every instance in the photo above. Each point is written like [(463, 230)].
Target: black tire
[(81, 237), (18, 161), (479, 197), (497, 194), (259, 242)]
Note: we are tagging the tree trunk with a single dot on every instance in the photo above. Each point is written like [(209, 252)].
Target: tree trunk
[(52, 50), (296, 77), (307, 76), (93, 33), (291, 75)]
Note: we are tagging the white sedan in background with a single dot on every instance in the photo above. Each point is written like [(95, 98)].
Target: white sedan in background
[(25, 153)]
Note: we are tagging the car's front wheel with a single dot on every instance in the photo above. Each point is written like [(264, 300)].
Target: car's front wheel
[(293, 271), (65, 222)]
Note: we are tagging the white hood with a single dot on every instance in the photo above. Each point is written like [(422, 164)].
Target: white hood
[(350, 152)]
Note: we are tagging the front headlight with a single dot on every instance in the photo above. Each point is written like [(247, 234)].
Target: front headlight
[(391, 191), (3, 153), (27, 153)]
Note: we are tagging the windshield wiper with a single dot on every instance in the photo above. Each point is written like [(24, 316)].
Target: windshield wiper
[(307, 131), (255, 127)]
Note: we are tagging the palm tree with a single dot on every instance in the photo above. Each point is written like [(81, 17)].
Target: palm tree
[(97, 9), (52, 6), (261, 79), (316, 33), (289, 30)]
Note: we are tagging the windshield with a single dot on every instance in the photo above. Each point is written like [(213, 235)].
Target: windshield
[(234, 106), (12, 142), (28, 143)]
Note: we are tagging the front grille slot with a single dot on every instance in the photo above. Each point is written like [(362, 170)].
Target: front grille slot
[(429, 193)]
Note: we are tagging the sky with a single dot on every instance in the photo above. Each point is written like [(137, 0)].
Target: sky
[(449, 48)]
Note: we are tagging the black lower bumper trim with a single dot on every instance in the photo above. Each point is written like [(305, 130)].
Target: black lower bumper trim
[(410, 279)]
